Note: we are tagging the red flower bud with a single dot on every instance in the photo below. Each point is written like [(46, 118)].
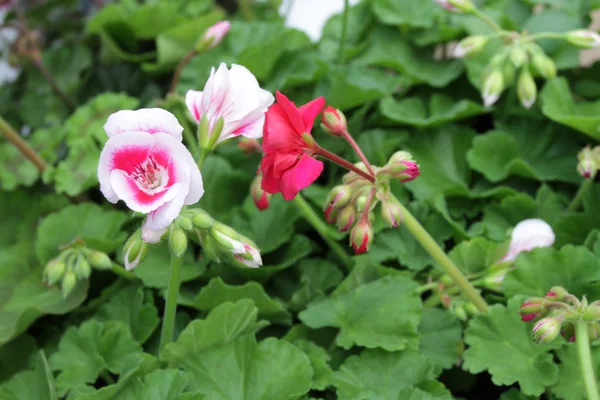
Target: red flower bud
[(361, 236), (337, 198), (556, 293), (528, 317), (391, 213), (346, 218), (261, 198), (334, 121)]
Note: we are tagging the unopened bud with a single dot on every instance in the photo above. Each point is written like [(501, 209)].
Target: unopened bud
[(185, 223), (526, 89), (99, 260), (391, 212), (251, 257), (543, 65), (151, 236), (213, 35), (583, 38), (209, 247), (68, 282), (589, 161), (531, 308), (82, 268), (594, 331), (346, 218), (471, 309), (309, 141), (446, 4), (469, 46), (495, 280), (334, 121), (591, 313), (337, 198), (465, 6), (54, 271), (546, 330), (518, 56), (556, 293), (493, 85), (135, 251), (178, 242), (361, 236), (261, 198), (202, 220), (460, 313), (227, 238)]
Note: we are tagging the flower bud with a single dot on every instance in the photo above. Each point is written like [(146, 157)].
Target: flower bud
[(337, 198), (99, 260), (185, 222), (251, 257), (591, 313), (346, 218), (334, 121), (556, 293), (469, 46), (402, 167), (361, 236), (69, 281), (446, 4), (594, 331), (460, 313), (54, 271), (202, 220), (391, 212), (178, 242), (568, 332), (518, 56), (546, 330), (543, 65), (151, 236), (82, 268), (526, 89), (583, 38), (493, 85), (465, 6), (260, 197), (471, 309), (135, 251), (531, 308), (589, 161), (213, 35), (495, 280), (227, 238), (209, 247)]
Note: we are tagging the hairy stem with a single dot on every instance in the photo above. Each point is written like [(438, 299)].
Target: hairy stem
[(22, 145), (434, 250), (585, 360), (122, 272), (348, 137), (179, 69), (583, 189), (168, 325), (321, 227), (491, 23), (344, 30), (344, 163)]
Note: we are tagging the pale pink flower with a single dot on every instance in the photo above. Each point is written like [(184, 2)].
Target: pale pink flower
[(527, 235), (216, 33), (145, 164), (255, 260), (235, 96)]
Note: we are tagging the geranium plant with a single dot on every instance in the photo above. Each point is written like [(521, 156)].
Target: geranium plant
[(199, 202)]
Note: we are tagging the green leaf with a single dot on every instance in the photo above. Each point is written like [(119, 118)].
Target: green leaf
[(574, 267), (98, 228), (16, 355), (167, 384), (441, 335), (559, 106), (512, 151), (383, 314), (223, 324), (389, 49), (37, 383), (570, 383), (346, 87), (515, 394), (218, 292), (500, 335), (303, 69), (317, 277), (439, 110), (135, 307), (154, 270), (95, 347), (365, 270), (380, 375), (378, 145), (407, 12), (15, 170), (441, 155), (477, 255), (319, 359)]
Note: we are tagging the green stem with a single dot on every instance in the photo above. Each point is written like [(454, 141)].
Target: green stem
[(427, 286), (583, 188), (491, 23), (585, 360), (168, 326), (434, 250), (322, 228), (344, 30), (202, 157), (22, 145), (122, 272), (544, 35)]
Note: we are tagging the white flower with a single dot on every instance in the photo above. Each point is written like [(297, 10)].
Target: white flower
[(235, 96), (145, 164), (527, 235)]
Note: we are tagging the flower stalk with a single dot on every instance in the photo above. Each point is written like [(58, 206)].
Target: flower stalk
[(585, 360), (343, 163), (22, 145), (348, 137), (168, 326), (583, 189), (344, 30)]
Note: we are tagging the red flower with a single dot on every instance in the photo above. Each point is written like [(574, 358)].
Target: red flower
[(288, 165)]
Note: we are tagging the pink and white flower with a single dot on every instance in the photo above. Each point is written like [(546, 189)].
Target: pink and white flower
[(234, 95), (145, 164), (216, 33), (528, 235)]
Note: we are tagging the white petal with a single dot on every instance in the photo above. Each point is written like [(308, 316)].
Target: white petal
[(238, 247), (126, 191), (164, 215), (150, 120), (151, 236), (193, 100), (196, 184), (527, 235)]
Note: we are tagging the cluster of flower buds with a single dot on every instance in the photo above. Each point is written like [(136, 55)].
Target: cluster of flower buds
[(557, 312), (589, 161), (73, 264), (400, 167)]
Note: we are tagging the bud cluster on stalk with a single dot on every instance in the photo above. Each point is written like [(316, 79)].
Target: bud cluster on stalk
[(588, 162), (73, 264), (557, 313)]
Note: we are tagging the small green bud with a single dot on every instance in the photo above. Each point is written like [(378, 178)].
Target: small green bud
[(68, 283), (465, 6), (591, 313), (202, 220), (346, 218), (470, 46), (333, 121), (99, 260), (556, 293), (594, 331), (518, 56), (543, 65), (583, 38), (178, 242), (209, 246), (546, 330), (460, 313), (337, 198), (589, 162), (82, 268), (526, 89), (135, 251), (493, 85), (54, 271), (471, 309), (185, 223), (226, 238)]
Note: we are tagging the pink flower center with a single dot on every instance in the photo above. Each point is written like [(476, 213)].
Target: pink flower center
[(150, 176)]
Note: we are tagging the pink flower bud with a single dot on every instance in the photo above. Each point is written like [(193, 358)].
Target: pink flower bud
[(361, 236), (215, 34), (528, 317), (589, 161), (556, 293), (402, 167), (334, 121), (261, 198), (346, 218), (337, 198), (391, 212)]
